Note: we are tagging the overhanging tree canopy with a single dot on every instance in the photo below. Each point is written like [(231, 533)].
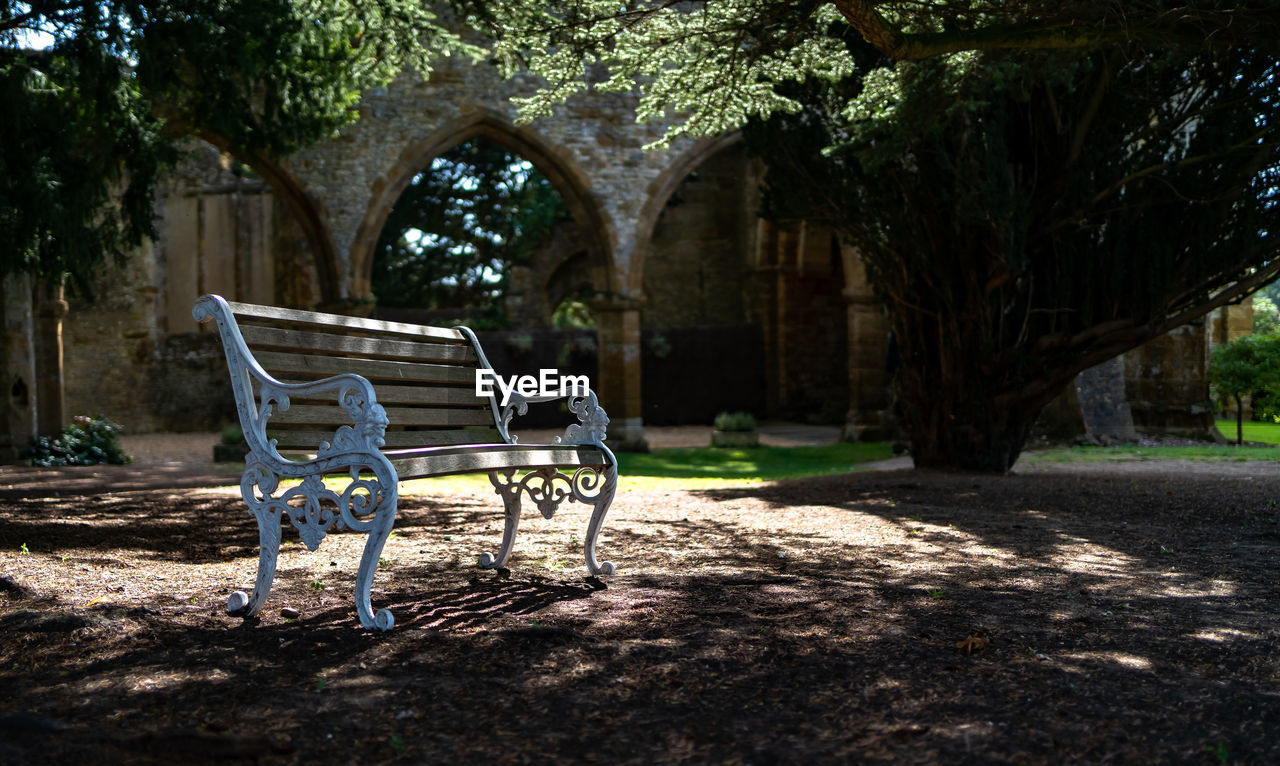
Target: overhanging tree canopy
[(1025, 216), (1064, 182), (96, 92)]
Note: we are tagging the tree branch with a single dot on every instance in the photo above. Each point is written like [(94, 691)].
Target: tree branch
[(1186, 26)]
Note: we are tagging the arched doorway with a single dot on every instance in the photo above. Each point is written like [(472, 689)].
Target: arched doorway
[(470, 241)]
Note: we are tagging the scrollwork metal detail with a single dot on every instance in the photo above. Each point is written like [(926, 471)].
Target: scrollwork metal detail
[(369, 429), (593, 422), (366, 504), (548, 488)]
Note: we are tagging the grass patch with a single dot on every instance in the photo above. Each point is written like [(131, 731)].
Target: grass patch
[(702, 467), (1262, 433), (1208, 452), (756, 463)]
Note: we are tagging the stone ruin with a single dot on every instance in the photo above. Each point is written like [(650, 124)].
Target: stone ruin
[(668, 242)]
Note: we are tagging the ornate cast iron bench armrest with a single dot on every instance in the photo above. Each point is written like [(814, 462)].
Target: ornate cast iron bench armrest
[(367, 504)]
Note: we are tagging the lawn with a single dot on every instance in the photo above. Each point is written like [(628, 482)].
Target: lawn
[(1262, 433), (691, 468), (1206, 452)]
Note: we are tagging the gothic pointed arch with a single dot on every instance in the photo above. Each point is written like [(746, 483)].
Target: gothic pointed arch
[(659, 192), (568, 180), (307, 213)]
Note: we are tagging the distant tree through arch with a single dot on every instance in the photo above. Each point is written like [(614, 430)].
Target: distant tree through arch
[(457, 228)]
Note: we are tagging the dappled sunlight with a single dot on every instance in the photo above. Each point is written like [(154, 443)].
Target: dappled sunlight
[(1119, 659), (924, 610)]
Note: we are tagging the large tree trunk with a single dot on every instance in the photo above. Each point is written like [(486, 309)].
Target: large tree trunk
[(954, 432), (963, 411)]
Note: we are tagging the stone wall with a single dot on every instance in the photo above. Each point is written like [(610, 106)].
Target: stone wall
[(1166, 385), (696, 269), (133, 351), (799, 301)]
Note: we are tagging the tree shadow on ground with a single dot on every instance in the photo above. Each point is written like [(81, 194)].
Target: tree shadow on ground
[(738, 636)]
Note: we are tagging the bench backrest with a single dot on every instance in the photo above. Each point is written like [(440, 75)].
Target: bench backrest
[(424, 376)]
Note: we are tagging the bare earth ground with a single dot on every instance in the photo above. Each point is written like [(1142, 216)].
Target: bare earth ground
[(1083, 613)]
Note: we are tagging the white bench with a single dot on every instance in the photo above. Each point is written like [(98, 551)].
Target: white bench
[(374, 403)]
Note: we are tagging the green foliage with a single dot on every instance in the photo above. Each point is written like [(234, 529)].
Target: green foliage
[(735, 421), (1048, 185), (456, 230), (1245, 366), (707, 68), (761, 463), (1266, 314), (231, 434), (714, 63), (91, 115), (573, 314), (87, 441), (1028, 215), (78, 162)]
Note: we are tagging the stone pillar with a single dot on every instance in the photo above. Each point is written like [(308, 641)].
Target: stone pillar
[(50, 309), (1166, 384), (618, 383), (1104, 407), (17, 367), (869, 417)]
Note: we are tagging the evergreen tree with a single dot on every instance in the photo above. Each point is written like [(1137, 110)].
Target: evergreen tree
[(95, 93), (1035, 187), (1027, 215), (459, 226)]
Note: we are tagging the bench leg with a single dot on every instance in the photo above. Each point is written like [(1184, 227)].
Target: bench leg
[(600, 506), (510, 491), (547, 488), (366, 505), (240, 604), (378, 534)]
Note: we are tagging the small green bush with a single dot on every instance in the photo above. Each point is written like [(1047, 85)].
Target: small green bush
[(87, 441), (1245, 366), (735, 421), (232, 434)]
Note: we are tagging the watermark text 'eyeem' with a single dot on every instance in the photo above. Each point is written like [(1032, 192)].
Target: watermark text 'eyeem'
[(548, 383)]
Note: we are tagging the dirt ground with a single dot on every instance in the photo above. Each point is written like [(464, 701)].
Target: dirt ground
[(1084, 613)]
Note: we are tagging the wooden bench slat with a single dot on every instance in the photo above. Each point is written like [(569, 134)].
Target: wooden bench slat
[(373, 369), (435, 396), (401, 416), (339, 345), (294, 317), (310, 439), (494, 457)]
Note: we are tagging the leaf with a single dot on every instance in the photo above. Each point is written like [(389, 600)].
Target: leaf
[(976, 641)]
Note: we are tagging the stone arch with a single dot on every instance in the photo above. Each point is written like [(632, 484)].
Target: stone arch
[(556, 166), (307, 212), (657, 194)]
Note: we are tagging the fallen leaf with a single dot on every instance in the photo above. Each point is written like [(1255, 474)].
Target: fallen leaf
[(976, 641)]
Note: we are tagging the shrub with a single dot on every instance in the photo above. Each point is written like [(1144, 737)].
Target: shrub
[(1242, 367), (231, 434), (87, 441), (735, 421)]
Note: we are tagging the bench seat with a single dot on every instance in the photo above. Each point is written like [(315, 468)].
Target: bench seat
[(482, 458)]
